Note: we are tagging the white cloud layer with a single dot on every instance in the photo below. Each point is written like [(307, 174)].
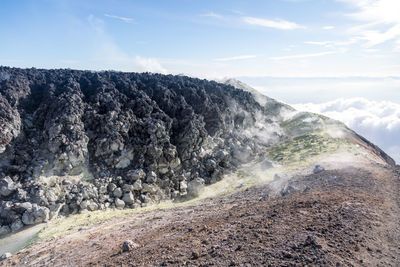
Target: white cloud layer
[(279, 24), (378, 121)]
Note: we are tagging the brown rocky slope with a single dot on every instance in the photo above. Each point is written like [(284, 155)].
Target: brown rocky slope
[(338, 217)]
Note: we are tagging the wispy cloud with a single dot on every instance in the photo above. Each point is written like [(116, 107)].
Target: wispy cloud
[(276, 24), (333, 44), (124, 19), (212, 15), (376, 37), (381, 17), (304, 55), (321, 43), (235, 58)]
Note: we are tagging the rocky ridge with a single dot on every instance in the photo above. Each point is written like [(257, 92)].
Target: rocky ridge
[(76, 141)]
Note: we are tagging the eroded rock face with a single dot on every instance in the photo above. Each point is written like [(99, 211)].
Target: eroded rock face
[(132, 139)]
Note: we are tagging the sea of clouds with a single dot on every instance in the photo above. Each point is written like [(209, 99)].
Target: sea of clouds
[(378, 121)]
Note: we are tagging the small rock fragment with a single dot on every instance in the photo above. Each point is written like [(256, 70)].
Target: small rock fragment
[(195, 255), (287, 189), (7, 186), (117, 192), (128, 198), (129, 245), (5, 256), (318, 169), (119, 204), (137, 186)]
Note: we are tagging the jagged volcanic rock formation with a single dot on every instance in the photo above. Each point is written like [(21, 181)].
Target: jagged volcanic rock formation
[(75, 141), (79, 140)]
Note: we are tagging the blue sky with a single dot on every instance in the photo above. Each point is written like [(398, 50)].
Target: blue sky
[(213, 39), (337, 57)]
